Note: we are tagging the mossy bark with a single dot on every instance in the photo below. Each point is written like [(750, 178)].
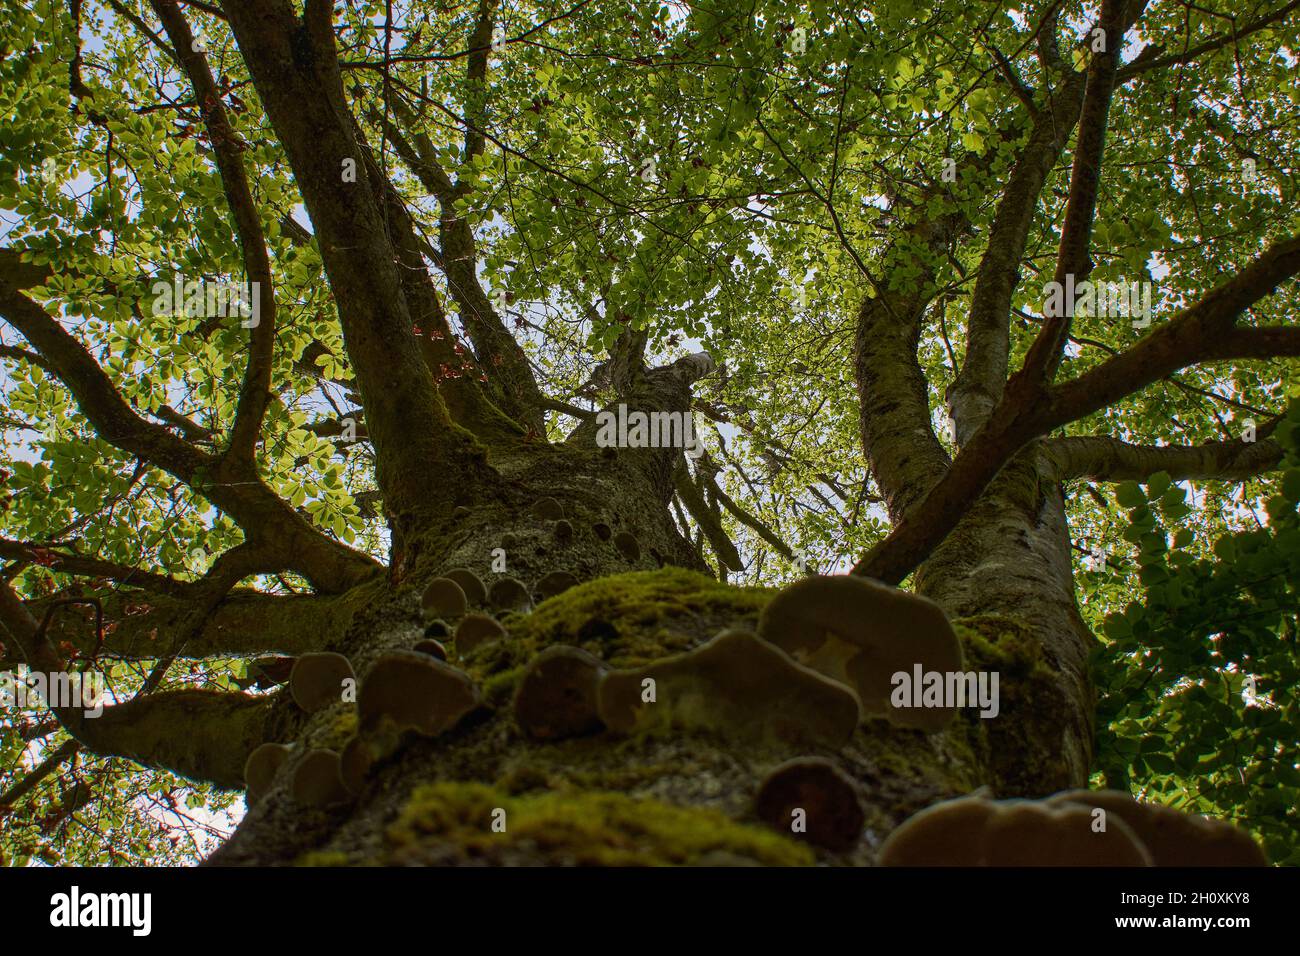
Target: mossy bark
[(683, 794)]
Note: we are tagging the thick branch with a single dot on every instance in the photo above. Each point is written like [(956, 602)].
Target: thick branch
[(152, 626), (1203, 332), (52, 762), (330, 566), (199, 734), (1108, 459), (693, 500), (1072, 257), (984, 371), (514, 387), (255, 392), (57, 559), (1146, 63), (295, 70)]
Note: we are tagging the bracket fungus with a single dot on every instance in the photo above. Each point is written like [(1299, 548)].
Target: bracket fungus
[(736, 684), (832, 812), (260, 768), (556, 582), (557, 695), (415, 691), (861, 632), (443, 597), (548, 508), (477, 630), (317, 680), (602, 531), (628, 546), (509, 594), (972, 831), (432, 648), (318, 780), (563, 530), (1173, 838), (470, 583)]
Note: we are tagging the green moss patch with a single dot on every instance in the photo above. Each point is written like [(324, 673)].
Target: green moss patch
[(641, 616), (625, 619), (452, 822)]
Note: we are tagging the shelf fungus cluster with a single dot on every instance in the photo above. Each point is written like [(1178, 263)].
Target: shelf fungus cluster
[(736, 685), (1171, 837), (861, 633), (1075, 828), (822, 659), (404, 690)]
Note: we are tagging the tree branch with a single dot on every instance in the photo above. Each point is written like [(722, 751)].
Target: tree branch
[(200, 734), (52, 762), (1072, 258), (1202, 332), (1100, 458), (693, 500), (264, 517), (295, 71), (1145, 64), (73, 563), (978, 388), (499, 354), (255, 391)]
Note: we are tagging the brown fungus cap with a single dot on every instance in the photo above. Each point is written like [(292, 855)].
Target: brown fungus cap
[(602, 531), (563, 530), (432, 648), (1173, 838), (473, 586), (509, 594), (556, 582), (557, 696), (318, 780), (738, 685), (861, 632), (477, 630), (972, 831), (443, 597), (317, 680), (828, 797), (628, 546), (260, 768), (415, 691), (548, 508)]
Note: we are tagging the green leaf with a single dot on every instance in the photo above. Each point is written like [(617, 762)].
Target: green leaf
[(1129, 494)]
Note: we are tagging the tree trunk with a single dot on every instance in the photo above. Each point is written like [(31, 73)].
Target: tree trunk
[(688, 795)]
